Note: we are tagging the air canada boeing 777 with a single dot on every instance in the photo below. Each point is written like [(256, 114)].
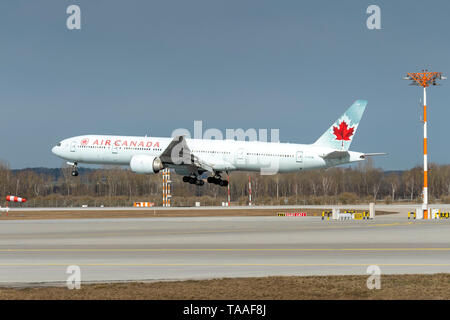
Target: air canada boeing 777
[(194, 158)]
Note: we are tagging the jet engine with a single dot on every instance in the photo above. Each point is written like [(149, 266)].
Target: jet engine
[(146, 164)]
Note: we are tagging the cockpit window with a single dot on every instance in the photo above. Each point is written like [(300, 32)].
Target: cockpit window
[(59, 144)]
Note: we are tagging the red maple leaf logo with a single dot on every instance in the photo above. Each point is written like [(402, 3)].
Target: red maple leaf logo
[(84, 141), (343, 132)]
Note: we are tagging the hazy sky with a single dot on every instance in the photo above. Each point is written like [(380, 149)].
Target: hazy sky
[(149, 67)]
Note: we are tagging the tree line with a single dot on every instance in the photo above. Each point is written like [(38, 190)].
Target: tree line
[(116, 186)]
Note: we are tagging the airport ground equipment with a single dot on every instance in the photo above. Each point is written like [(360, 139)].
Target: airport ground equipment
[(15, 199), (412, 214), (166, 184), (249, 191), (336, 214), (345, 216), (371, 210), (326, 213), (437, 214), (5, 209), (293, 214), (228, 191), (444, 215), (143, 204), (419, 213), (425, 79), (360, 215), (355, 215), (9, 199)]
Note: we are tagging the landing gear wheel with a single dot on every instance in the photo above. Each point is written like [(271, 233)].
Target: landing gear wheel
[(216, 179), (74, 168), (185, 179), (192, 180)]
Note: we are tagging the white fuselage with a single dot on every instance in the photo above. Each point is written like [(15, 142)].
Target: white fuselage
[(221, 155)]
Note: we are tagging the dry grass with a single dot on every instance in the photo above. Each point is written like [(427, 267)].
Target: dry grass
[(86, 213), (435, 286)]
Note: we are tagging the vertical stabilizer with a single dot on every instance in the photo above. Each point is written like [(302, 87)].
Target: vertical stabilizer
[(340, 135)]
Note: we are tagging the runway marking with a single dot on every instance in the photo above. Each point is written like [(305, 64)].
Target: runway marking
[(216, 249), (225, 264), (391, 224), (261, 230)]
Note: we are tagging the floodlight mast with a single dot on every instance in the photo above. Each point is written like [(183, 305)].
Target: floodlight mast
[(425, 79)]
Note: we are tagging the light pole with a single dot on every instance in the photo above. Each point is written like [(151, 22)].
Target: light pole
[(425, 79)]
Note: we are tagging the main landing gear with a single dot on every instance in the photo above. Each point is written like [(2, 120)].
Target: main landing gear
[(217, 180), (193, 180)]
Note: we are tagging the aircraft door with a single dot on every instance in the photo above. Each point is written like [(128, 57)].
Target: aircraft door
[(299, 157), (115, 153), (241, 156), (73, 145)]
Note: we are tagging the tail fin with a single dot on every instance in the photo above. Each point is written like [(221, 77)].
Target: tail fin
[(340, 135)]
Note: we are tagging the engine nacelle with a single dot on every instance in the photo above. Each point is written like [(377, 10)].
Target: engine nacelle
[(146, 164)]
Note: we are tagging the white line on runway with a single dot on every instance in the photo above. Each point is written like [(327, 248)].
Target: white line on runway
[(226, 264), (220, 249)]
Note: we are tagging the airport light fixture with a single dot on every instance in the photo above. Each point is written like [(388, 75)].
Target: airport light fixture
[(425, 79)]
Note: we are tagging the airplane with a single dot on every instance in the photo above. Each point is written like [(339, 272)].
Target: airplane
[(194, 158)]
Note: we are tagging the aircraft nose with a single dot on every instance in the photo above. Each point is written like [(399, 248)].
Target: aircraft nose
[(55, 150)]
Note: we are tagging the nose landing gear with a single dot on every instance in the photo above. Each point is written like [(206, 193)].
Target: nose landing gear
[(74, 168)]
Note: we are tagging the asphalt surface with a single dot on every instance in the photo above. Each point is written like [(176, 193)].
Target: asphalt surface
[(39, 251)]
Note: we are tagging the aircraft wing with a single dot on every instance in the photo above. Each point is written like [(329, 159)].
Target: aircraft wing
[(178, 153)]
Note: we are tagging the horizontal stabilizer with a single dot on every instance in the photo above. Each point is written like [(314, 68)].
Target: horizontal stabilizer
[(335, 155), (375, 154)]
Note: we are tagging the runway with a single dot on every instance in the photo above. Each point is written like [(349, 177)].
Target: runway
[(387, 207), (39, 251)]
